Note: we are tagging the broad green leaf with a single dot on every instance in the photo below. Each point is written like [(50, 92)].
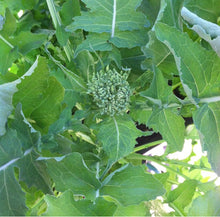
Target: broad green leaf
[(119, 20), (72, 173), (65, 205), (100, 18), (43, 103), (207, 121), (171, 127), (33, 172), (11, 148), (12, 198), (132, 210), (118, 136), (206, 205), (183, 194), (132, 185), (198, 71), (207, 9), (6, 93)]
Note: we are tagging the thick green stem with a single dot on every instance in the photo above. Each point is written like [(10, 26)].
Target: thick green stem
[(148, 145), (57, 22), (154, 159), (176, 85), (180, 163)]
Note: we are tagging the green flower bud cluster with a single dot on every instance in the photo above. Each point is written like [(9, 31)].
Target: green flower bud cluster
[(110, 90)]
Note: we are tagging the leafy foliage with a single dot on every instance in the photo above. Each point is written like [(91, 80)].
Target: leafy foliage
[(86, 86)]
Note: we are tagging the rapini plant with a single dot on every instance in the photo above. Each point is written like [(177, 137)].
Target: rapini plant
[(72, 135)]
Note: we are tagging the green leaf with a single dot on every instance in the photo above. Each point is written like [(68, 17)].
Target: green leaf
[(119, 22), (33, 172), (72, 173), (43, 103), (99, 18), (65, 205), (183, 194), (118, 136), (131, 185), (171, 127), (207, 121), (199, 71), (206, 205), (12, 198)]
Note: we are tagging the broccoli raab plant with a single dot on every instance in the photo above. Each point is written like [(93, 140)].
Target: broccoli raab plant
[(87, 86)]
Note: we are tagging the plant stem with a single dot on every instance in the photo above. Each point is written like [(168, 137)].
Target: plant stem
[(180, 163), (148, 145), (176, 85), (108, 167), (57, 22), (153, 159)]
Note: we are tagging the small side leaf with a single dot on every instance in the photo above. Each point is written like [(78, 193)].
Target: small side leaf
[(118, 136), (171, 127)]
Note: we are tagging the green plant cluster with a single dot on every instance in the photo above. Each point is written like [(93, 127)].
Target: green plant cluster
[(61, 66), (110, 90)]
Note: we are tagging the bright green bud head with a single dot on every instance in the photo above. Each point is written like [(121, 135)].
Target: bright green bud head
[(110, 90)]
